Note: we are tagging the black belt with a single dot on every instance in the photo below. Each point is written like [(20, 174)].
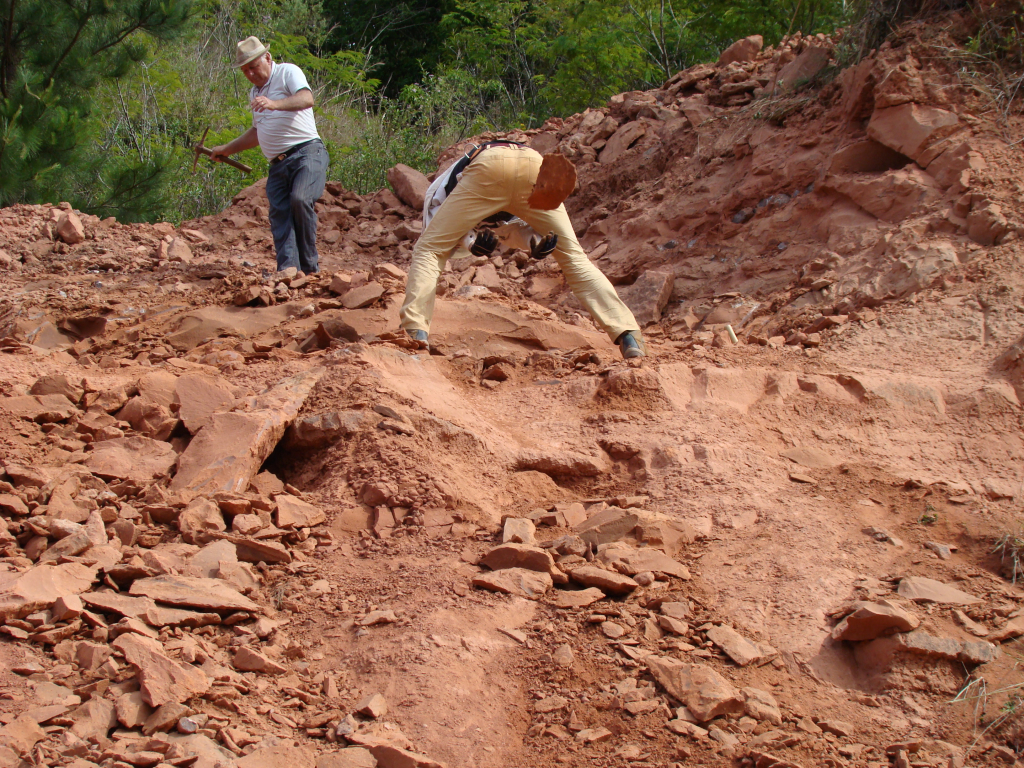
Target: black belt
[(289, 152)]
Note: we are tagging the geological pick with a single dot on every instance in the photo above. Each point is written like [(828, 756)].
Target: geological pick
[(202, 150)]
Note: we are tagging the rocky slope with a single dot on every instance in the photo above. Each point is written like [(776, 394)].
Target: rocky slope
[(244, 522)]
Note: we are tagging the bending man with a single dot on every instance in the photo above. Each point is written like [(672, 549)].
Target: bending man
[(499, 178), (283, 126)]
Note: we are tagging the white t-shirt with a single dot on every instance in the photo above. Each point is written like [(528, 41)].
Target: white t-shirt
[(512, 234), (279, 130)]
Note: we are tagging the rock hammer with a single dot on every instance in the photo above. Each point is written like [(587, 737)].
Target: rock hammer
[(201, 150)]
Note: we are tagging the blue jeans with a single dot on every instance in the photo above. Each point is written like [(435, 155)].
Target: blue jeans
[(293, 186)]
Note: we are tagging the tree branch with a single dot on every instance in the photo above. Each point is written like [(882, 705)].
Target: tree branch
[(120, 36), (7, 62), (82, 24)]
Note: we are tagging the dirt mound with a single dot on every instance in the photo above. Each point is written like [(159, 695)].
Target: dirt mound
[(244, 521)]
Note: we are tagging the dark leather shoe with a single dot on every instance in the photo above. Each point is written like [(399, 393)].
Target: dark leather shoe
[(630, 347), (420, 337)]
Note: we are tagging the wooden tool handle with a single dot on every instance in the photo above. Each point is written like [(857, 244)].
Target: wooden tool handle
[(233, 163)]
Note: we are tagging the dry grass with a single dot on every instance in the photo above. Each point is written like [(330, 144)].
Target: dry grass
[(776, 108), (1010, 548)]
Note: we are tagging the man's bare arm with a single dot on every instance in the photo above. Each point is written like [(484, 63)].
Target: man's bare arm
[(301, 100), (247, 140)]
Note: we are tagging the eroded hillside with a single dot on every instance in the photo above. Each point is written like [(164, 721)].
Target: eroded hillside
[(245, 522)]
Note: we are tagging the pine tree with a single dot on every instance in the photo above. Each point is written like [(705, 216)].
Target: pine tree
[(53, 53)]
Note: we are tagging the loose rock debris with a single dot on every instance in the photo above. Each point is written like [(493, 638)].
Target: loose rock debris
[(246, 522)]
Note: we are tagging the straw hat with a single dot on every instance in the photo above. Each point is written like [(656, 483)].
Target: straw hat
[(247, 50)]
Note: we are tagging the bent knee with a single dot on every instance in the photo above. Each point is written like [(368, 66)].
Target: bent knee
[(302, 204)]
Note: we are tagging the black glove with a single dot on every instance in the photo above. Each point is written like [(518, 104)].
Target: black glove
[(542, 247), (484, 244)]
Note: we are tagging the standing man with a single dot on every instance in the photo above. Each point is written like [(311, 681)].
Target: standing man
[(499, 177), (284, 128)]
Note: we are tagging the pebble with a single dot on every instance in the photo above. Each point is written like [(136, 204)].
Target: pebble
[(837, 727), (515, 634), (807, 725), (608, 581), (377, 617), (550, 704), (593, 735), (518, 530), (675, 626), (644, 579), (563, 656), (612, 630), (374, 706), (717, 734), (944, 551), (969, 624), (641, 707), (577, 598)]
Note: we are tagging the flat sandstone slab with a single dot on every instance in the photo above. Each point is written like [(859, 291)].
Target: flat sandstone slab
[(206, 594), (735, 646), (922, 590), (138, 459), (608, 581), (515, 581), (228, 452), (577, 598), (38, 587), (869, 620)]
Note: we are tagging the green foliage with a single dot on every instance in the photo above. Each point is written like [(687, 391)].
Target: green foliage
[(412, 129), (727, 21), (998, 34), (37, 134), (562, 56), (666, 33), (344, 73), (52, 57), (115, 187), (930, 516), (591, 58), (159, 111), (224, 22), (491, 39), (404, 37), (450, 105)]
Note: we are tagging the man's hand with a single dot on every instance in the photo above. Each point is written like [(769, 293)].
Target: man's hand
[(247, 140), (301, 100), (543, 247), (263, 104), (484, 244)]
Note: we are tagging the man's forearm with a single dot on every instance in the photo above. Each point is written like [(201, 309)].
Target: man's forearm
[(301, 100), (247, 140)]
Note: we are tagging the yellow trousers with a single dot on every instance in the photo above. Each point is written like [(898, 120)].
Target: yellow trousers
[(501, 179)]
